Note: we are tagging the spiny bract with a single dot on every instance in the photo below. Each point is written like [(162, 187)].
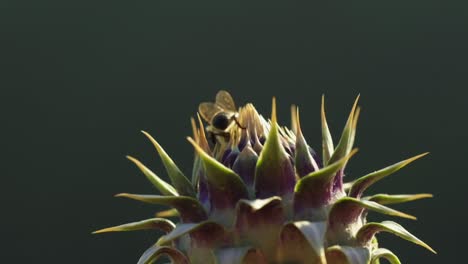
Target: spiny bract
[(262, 195)]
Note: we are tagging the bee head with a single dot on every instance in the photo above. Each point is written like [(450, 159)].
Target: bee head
[(221, 121)]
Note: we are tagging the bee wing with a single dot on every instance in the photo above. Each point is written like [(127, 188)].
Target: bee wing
[(208, 109), (225, 101)]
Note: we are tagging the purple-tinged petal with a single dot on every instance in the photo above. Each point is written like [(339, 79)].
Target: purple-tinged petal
[(302, 242), (229, 159), (200, 182), (225, 155), (314, 191), (204, 192), (225, 186), (347, 255), (245, 164), (258, 223), (345, 144), (316, 157), (250, 213), (346, 217), (257, 146), (274, 173), (262, 138), (255, 141), (203, 234), (243, 140), (304, 161), (210, 235), (155, 252)]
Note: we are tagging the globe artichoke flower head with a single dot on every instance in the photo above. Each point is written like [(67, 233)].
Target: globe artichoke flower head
[(260, 194)]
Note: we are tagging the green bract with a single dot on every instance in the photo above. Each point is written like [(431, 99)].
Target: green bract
[(260, 194)]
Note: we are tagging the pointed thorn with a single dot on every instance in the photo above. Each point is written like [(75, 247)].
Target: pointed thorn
[(198, 149), (356, 117), (430, 249), (357, 100), (416, 157), (298, 122), (408, 161), (411, 217), (273, 111), (194, 128), (155, 143), (327, 140), (200, 123), (322, 108), (202, 136), (134, 160), (104, 230), (322, 111), (137, 163), (354, 151), (354, 109), (167, 213), (294, 110)]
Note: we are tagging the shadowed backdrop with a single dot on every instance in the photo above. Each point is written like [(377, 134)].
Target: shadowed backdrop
[(79, 80)]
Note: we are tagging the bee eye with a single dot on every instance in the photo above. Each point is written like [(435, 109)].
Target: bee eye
[(220, 121)]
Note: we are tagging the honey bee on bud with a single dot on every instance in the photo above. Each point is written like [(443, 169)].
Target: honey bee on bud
[(221, 116)]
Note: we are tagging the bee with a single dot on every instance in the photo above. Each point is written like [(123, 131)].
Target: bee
[(221, 116)]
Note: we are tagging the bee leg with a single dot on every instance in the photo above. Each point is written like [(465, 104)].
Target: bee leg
[(212, 137), (238, 124)]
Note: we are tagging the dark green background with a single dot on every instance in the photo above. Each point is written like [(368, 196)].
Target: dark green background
[(79, 79)]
